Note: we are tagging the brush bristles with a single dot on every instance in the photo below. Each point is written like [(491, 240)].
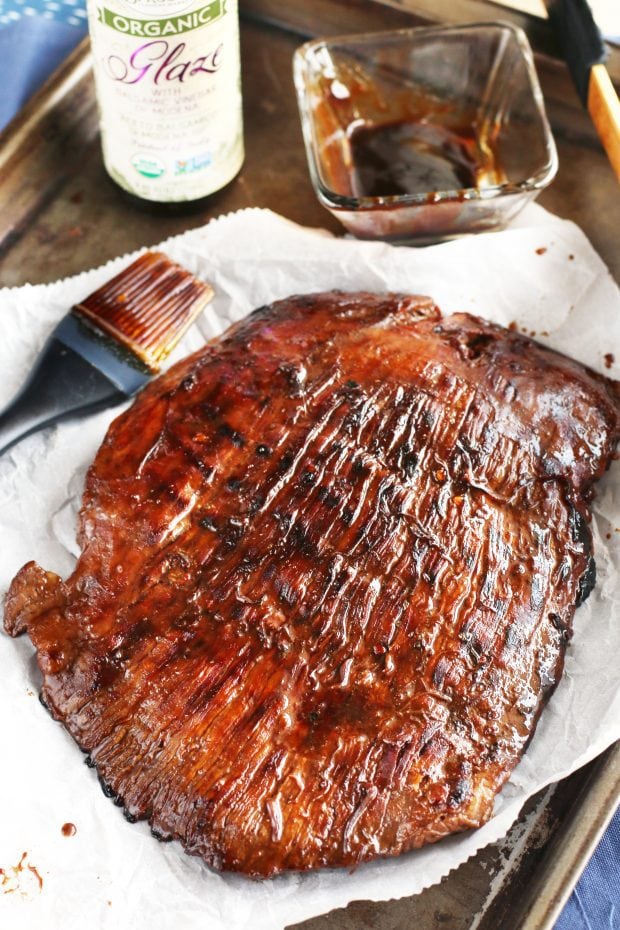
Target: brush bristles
[(148, 306)]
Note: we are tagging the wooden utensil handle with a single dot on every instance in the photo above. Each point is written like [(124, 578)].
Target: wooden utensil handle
[(604, 108)]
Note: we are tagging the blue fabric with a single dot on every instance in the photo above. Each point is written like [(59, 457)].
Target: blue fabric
[(30, 49), (35, 35), (595, 902)]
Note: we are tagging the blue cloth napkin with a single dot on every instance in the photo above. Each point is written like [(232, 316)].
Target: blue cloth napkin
[(35, 36), (595, 902)]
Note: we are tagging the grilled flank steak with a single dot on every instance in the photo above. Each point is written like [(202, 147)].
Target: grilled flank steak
[(329, 569)]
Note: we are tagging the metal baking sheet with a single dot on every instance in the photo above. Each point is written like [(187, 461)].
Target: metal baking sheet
[(60, 214)]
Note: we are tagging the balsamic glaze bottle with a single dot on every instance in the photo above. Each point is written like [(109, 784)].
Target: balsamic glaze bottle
[(167, 75)]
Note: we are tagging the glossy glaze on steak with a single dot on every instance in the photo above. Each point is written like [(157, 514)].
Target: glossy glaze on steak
[(329, 569)]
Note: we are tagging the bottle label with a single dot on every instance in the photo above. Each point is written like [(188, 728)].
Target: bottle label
[(167, 74)]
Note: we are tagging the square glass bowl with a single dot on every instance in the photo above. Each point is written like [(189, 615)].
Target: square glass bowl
[(424, 134)]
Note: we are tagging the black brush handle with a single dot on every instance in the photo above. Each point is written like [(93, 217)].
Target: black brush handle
[(62, 383), (580, 38)]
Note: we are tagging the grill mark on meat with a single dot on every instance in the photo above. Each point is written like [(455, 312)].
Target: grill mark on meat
[(313, 618)]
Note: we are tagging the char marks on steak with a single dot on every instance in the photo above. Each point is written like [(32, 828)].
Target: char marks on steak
[(329, 569)]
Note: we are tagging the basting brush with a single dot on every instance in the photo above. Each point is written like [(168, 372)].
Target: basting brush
[(108, 346), (585, 55)]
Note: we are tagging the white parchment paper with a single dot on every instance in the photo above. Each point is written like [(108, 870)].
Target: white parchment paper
[(541, 273)]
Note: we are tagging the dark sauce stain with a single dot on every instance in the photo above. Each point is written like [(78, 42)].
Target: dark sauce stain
[(227, 432), (302, 540), (255, 504), (609, 359), (108, 668), (294, 377), (409, 462), (560, 625), (460, 792), (580, 530), (329, 498), (108, 791), (68, 829), (210, 411), (586, 582), (308, 478), (231, 534), (410, 157), (286, 461), (541, 250), (475, 345), (188, 383), (140, 630), (286, 593)]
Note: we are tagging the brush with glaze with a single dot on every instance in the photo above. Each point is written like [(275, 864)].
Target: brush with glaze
[(108, 346), (585, 53)]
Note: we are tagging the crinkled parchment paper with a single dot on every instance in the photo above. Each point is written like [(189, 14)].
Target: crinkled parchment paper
[(541, 273)]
